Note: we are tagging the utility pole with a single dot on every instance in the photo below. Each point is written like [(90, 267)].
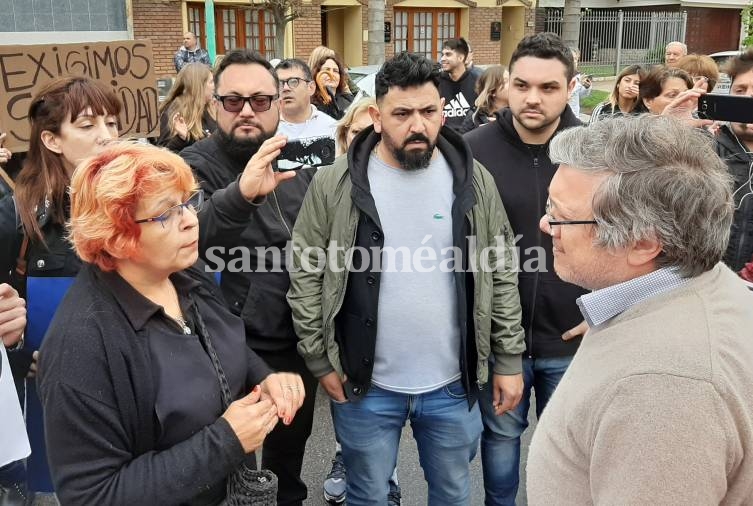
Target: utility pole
[(571, 23), (376, 32), (209, 17)]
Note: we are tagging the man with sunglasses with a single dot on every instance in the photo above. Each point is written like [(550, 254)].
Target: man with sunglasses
[(245, 225), (514, 149)]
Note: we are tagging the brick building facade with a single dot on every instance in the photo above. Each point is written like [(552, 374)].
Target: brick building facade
[(342, 25), (159, 21)]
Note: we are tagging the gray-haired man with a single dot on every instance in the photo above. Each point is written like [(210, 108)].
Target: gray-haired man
[(673, 52), (657, 405)]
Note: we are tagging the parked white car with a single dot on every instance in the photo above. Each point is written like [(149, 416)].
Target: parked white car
[(724, 82), (364, 77)]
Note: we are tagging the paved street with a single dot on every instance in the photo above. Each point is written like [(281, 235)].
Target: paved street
[(320, 450)]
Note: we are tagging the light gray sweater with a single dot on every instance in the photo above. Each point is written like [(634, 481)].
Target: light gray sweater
[(657, 405)]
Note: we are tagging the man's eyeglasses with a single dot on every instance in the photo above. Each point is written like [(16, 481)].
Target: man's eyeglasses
[(293, 82), (235, 103), (553, 223), (193, 204)]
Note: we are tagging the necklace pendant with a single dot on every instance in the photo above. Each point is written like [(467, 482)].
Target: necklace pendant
[(186, 330)]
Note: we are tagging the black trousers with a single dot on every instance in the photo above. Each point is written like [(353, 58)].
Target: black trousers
[(283, 448)]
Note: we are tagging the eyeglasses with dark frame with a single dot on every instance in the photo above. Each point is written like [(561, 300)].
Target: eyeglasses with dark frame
[(193, 204), (553, 223), (236, 103), (293, 82)]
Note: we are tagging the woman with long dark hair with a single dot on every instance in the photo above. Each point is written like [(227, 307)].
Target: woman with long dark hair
[(331, 96), (71, 118)]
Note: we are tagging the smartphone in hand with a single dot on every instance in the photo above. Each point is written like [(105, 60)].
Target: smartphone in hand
[(734, 108), (307, 152)]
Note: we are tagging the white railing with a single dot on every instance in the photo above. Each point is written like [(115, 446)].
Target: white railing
[(613, 39)]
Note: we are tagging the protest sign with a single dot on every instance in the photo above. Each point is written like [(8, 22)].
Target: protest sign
[(126, 66)]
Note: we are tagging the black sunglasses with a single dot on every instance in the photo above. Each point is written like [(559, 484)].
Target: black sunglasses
[(236, 103)]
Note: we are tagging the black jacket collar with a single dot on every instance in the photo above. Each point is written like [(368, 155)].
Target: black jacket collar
[(734, 147), (451, 144)]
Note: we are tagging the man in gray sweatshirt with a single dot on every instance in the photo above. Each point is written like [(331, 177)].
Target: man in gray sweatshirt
[(657, 404)]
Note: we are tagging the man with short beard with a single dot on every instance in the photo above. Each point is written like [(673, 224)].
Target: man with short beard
[(515, 150), (405, 329), (254, 281), (735, 146)]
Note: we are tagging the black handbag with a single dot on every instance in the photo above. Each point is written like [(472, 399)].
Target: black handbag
[(246, 486), (14, 495)]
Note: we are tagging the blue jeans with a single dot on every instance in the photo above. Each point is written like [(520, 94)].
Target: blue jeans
[(446, 432), (500, 441)]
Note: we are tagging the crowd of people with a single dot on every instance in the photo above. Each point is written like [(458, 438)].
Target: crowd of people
[(472, 244)]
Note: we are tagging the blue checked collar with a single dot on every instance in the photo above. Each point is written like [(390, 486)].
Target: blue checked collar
[(604, 304)]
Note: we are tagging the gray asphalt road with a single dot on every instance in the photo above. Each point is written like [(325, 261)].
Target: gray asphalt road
[(320, 450)]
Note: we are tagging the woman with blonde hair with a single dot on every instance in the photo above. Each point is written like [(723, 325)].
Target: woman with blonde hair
[(492, 96), (187, 115), (356, 118), (624, 96), (318, 53)]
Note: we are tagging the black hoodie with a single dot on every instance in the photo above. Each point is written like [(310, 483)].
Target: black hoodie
[(459, 98), (523, 174), (739, 162), (227, 220)]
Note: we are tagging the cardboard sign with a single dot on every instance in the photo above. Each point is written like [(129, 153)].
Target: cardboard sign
[(127, 66)]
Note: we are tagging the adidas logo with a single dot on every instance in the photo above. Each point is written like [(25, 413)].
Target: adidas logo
[(457, 107)]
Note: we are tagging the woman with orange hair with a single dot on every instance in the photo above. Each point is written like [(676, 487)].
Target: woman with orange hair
[(71, 118), (163, 413)]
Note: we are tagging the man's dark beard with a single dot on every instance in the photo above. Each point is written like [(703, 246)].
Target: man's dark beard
[(240, 149), (414, 159)]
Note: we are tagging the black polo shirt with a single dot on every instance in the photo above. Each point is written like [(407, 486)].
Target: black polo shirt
[(132, 403)]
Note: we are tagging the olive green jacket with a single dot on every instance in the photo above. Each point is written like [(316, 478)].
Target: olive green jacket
[(329, 216)]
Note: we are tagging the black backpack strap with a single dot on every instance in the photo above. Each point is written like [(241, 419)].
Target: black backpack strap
[(23, 251)]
